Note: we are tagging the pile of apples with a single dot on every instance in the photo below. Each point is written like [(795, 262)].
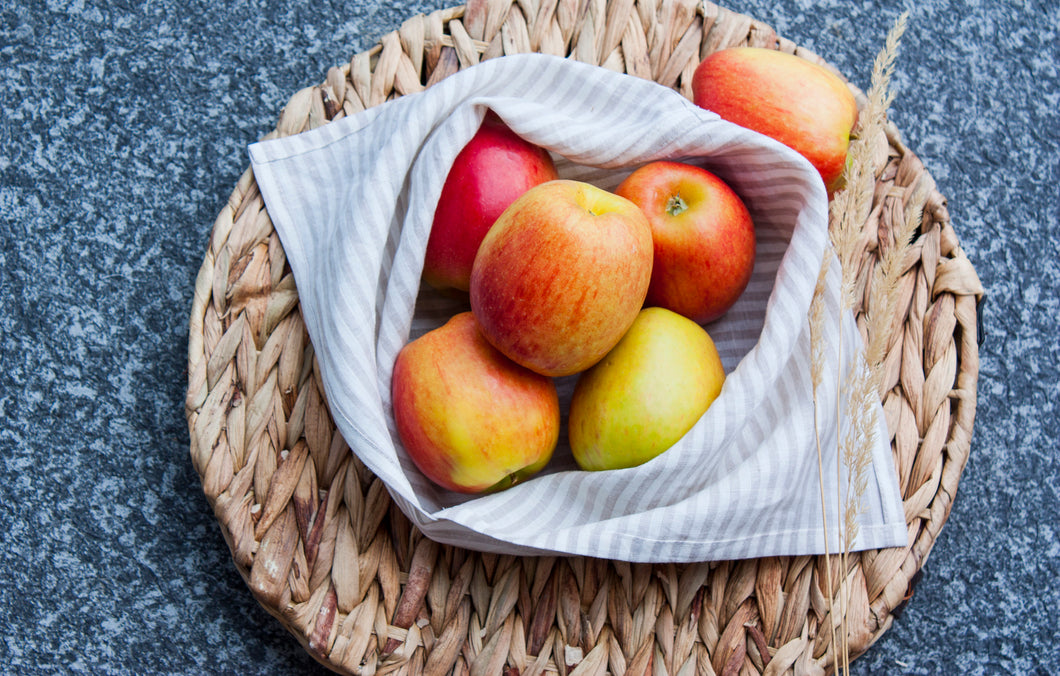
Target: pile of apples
[(565, 278)]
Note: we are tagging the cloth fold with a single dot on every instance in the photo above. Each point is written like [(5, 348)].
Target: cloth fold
[(353, 202)]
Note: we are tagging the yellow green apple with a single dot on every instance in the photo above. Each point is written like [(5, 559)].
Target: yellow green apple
[(646, 394), (702, 234), (471, 419), (561, 275), (788, 98), (489, 173)]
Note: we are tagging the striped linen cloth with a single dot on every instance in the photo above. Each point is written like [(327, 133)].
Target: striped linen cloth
[(353, 202)]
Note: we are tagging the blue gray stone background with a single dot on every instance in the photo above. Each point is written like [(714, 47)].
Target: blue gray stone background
[(124, 127)]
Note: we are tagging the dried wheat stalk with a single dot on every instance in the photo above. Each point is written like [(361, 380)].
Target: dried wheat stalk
[(849, 209)]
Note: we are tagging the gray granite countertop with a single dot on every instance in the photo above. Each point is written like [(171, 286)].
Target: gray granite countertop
[(124, 127)]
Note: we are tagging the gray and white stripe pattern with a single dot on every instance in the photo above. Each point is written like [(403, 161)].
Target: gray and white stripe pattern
[(353, 202)]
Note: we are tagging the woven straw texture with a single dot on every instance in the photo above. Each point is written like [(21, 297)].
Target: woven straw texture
[(323, 548)]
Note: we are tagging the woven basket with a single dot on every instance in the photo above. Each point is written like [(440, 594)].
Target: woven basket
[(323, 548)]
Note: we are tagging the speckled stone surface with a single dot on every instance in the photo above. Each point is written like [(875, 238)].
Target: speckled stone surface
[(123, 129)]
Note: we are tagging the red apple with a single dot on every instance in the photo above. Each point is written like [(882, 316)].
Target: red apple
[(561, 276), (493, 169), (471, 419), (702, 234), (797, 102)]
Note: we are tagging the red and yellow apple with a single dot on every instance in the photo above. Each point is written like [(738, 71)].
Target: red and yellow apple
[(472, 420), (702, 234), (799, 103), (561, 275), (492, 170), (646, 394)]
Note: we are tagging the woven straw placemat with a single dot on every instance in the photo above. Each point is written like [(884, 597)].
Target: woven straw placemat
[(323, 548)]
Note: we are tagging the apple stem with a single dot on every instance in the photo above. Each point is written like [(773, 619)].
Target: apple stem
[(675, 205)]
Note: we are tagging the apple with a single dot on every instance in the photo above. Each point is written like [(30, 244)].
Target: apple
[(561, 275), (645, 394), (472, 420), (702, 234), (797, 102), (494, 168)]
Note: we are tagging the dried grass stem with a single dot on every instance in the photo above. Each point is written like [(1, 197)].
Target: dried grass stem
[(858, 387)]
